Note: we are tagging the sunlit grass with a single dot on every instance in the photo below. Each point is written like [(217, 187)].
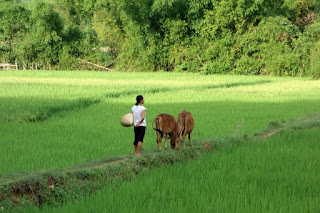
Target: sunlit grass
[(280, 174), (72, 132)]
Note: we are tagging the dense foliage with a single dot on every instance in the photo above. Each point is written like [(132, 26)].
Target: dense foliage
[(278, 37)]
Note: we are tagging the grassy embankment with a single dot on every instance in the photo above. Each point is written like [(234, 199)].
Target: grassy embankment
[(55, 120), (56, 187), (280, 174)]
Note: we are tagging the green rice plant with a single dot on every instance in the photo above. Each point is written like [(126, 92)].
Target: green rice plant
[(280, 173), (27, 93), (61, 119)]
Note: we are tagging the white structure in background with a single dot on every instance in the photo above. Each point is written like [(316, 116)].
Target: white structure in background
[(6, 66)]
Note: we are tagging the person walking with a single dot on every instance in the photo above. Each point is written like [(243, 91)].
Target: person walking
[(139, 122)]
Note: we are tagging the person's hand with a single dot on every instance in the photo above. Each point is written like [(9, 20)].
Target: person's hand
[(138, 124)]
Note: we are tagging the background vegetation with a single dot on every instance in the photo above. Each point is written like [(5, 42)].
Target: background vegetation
[(276, 37)]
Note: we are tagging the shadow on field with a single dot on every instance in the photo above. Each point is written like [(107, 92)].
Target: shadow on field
[(55, 187), (94, 132), (226, 118), (38, 110)]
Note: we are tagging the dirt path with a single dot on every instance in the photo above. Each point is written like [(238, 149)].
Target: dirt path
[(107, 163), (57, 184), (313, 120), (308, 121)]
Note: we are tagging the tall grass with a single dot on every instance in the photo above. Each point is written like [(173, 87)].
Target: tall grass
[(59, 119), (280, 174)]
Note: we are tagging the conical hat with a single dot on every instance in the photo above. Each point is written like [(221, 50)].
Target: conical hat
[(127, 120)]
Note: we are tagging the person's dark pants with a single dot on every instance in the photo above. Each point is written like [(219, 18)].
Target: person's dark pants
[(139, 134)]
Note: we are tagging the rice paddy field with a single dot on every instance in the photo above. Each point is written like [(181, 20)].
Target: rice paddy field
[(275, 175), (60, 119)]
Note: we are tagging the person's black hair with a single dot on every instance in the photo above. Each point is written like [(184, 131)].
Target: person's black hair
[(139, 99)]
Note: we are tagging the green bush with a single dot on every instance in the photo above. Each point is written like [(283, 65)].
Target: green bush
[(276, 37), (314, 61)]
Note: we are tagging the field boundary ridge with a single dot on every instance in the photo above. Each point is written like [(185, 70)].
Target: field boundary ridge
[(57, 186)]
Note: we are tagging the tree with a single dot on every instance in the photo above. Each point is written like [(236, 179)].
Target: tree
[(43, 42), (14, 24)]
